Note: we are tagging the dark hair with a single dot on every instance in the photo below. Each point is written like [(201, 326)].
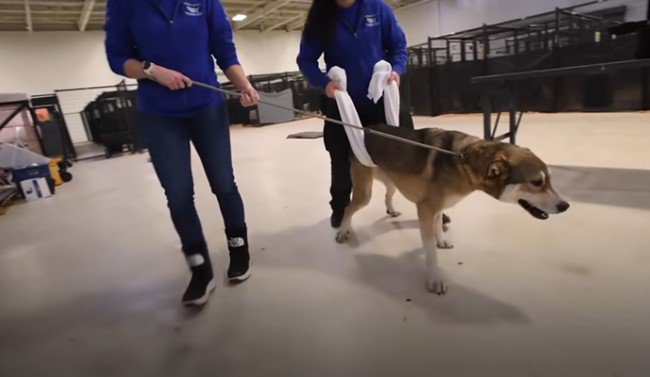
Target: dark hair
[(320, 21)]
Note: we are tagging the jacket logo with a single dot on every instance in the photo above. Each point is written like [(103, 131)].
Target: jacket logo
[(372, 20), (193, 9)]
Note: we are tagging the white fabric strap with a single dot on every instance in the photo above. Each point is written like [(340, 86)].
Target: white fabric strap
[(349, 115), (380, 86)]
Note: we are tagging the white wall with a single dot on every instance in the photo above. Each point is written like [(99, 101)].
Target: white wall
[(271, 52), (38, 63), (440, 17)]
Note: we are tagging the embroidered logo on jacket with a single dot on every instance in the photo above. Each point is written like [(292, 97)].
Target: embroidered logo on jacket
[(372, 20), (193, 9)]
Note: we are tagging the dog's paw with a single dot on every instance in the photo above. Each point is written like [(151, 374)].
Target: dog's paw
[(393, 213), (437, 287), (342, 235), (444, 244)]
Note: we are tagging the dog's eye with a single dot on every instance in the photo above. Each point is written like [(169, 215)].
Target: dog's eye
[(537, 183)]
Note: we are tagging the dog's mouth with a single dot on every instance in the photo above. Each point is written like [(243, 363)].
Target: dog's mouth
[(534, 211)]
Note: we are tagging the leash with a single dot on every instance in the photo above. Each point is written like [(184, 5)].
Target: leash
[(336, 121)]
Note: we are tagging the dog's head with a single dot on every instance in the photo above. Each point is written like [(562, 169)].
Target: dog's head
[(516, 175)]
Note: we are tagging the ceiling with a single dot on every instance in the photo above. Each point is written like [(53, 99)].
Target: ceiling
[(81, 15)]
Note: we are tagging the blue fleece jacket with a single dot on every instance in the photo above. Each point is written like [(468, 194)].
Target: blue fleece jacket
[(357, 48), (184, 40)]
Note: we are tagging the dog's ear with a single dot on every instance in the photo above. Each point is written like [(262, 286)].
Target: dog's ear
[(497, 169)]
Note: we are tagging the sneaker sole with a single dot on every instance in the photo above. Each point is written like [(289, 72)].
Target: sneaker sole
[(203, 299), (243, 277)]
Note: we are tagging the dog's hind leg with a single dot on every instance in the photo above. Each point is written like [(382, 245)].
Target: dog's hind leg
[(427, 217), (361, 194), (443, 241), (390, 193)]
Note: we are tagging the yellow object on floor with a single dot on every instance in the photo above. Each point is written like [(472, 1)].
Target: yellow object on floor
[(54, 171)]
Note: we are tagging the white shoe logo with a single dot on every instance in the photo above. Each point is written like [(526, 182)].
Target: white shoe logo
[(195, 260), (236, 242)]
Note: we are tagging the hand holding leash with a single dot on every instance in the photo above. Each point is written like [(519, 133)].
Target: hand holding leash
[(171, 79), (249, 96)]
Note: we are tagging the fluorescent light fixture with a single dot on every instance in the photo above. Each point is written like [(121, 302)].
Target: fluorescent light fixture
[(239, 17)]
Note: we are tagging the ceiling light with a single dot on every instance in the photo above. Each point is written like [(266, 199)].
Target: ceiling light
[(239, 17)]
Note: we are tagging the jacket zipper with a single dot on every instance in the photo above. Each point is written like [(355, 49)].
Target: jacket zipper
[(171, 24), (359, 22), (167, 17), (350, 28), (178, 4)]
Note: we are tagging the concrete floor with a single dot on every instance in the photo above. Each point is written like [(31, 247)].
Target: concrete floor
[(91, 279)]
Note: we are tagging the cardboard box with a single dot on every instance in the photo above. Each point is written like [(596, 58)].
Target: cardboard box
[(33, 181), (36, 188)]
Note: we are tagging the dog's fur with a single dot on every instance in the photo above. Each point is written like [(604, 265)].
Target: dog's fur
[(435, 181)]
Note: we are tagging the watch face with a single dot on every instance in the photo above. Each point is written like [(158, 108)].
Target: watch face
[(146, 65)]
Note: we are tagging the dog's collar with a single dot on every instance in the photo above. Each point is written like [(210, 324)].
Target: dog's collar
[(463, 152), (463, 162)]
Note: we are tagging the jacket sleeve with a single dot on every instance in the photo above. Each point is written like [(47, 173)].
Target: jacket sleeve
[(119, 42), (307, 60), (222, 46), (393, 39)]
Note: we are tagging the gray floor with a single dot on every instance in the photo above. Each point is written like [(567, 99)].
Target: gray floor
[(90, 280), (89, 150)]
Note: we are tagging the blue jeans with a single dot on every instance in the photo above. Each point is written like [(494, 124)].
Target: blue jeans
[(168, 140)]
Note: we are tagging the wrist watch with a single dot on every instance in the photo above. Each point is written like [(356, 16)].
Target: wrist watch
[(147, 67)]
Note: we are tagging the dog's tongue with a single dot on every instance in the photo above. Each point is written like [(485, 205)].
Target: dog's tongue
[(534, 211)]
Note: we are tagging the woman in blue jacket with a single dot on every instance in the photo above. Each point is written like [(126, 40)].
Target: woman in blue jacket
[(353, 35), (165, 44)]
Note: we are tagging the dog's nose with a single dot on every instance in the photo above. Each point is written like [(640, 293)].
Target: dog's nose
[(563, 206)]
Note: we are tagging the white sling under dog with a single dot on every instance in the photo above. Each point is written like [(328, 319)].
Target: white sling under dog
[(379, 87)]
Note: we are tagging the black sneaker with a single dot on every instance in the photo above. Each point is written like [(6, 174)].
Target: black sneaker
[(202, 283), (239, 268), (337, 218)]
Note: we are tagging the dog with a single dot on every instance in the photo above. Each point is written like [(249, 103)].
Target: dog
[(436, 181)]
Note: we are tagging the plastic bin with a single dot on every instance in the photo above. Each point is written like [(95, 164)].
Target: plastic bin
[(13, 157)]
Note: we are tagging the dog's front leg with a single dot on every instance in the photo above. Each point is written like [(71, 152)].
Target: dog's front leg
[(361, 194), (442, 239), (435, 281)]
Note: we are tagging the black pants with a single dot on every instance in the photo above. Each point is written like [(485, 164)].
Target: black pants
[(338, 146)]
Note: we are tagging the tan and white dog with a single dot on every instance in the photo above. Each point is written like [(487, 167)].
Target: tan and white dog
[(436, 181)]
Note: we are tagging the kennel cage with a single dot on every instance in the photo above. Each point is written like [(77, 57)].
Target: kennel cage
[(303, 96), (441, 69), (111, 120), (52, 128)]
